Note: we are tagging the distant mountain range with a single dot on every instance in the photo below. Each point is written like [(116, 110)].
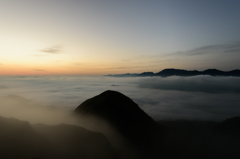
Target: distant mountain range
[(178, 72)]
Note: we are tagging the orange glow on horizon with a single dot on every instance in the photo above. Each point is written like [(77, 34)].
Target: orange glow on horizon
[(60, 70)]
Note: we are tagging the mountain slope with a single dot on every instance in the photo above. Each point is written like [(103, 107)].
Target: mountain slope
[(120, 111), (19, 139)]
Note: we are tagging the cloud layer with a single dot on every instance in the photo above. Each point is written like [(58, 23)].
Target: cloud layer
[(200, 97), (207, 84)]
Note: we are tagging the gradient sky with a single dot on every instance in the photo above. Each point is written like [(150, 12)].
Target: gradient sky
[(86, 37)]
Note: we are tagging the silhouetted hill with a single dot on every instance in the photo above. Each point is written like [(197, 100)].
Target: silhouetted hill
[(120, 111), (180, 72), (70, 141), (20, 140), (213, 72), (218, 140), (231, 125), (177, 72), (148, 137), (146, 74)]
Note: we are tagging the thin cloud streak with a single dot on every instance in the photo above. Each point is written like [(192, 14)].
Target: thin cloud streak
[(230, 48), (52, 50), (39, 70)]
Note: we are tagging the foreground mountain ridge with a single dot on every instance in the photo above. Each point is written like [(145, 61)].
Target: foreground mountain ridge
[(20, 140), (181, 72)]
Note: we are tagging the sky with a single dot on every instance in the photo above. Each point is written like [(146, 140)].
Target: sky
[(97, 37)]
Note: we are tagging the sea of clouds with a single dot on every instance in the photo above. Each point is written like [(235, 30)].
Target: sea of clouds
[(197, 98)]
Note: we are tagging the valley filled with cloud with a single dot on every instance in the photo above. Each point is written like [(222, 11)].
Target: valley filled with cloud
[(195, 98)]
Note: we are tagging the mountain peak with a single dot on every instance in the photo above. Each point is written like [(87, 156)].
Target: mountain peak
[(112, 104), (120, 111), (212, 70)]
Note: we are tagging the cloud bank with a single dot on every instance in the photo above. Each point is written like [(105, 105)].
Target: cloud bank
[(208, 84), (200, 97)]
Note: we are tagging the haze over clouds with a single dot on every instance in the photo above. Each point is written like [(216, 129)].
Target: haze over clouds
[(214, 98), (3, 87), (208, 84)]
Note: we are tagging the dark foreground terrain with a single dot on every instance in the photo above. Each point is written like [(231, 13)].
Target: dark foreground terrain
[(112, 126)]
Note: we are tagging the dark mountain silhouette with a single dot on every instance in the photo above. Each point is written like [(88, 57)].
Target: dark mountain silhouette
[(19, 139), (233, 73), (120, 111), (214, 72), (146, 74), (70, 141), (123, 75), (180, 72), (218, 140), (149, 138), (176, 72), (231, 125)]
